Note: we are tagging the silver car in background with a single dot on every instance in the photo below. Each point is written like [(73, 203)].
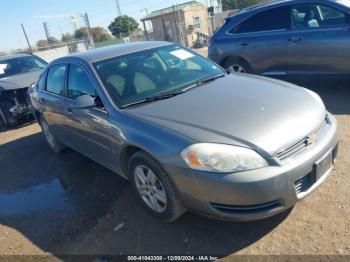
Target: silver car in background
[(188, 135)]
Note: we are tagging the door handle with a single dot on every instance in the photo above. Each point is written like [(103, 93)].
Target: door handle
[(244, 43), (294, 39), (41, 100), (70, 111)]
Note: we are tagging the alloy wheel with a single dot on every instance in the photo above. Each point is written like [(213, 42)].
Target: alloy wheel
[(237, 68), (150, 188)]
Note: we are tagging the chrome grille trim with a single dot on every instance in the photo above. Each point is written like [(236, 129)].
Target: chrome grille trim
[(303, 145)]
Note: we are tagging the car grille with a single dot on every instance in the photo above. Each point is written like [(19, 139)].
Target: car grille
[(303, 145), (266, 207)]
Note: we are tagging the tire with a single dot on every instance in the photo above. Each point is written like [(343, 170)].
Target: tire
[(3, 122), (52, 142), (167, 204), (237, 65)]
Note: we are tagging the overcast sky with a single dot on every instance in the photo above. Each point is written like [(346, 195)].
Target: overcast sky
[(101, 13)]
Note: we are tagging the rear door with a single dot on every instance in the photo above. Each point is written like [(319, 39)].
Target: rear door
[(261, 40), (319, 41), (53, 101)]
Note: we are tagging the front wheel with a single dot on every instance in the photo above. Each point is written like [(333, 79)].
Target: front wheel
[(53, 143), (154, 188)]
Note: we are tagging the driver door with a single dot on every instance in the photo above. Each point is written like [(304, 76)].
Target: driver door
[(88, 128)]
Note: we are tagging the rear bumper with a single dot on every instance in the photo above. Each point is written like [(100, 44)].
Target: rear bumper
[(254, 194)]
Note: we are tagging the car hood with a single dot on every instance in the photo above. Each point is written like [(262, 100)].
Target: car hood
[(264, 114), (19, 81)]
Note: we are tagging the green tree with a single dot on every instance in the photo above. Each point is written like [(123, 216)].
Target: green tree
[(239, 4), (123, 26), (98, 33), (67, 37)]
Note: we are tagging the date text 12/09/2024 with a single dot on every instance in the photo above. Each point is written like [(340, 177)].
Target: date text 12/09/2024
[(172, 258)]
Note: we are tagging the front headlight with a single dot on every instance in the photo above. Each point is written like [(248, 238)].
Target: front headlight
[(222, 158), (315, 96)]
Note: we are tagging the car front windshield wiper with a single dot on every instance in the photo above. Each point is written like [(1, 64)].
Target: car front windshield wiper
[(153, 98), (202, 82)]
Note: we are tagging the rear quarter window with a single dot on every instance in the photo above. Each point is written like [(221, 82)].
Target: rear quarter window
[(273, 19)]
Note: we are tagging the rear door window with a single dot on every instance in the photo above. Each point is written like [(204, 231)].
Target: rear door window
[(56, 79), (273, 19), (312, 16)]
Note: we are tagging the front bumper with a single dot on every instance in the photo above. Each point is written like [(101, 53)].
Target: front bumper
[(20, 110), (254, 194)]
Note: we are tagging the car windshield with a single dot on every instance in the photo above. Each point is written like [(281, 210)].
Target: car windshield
[(165, 70), (20, 65)]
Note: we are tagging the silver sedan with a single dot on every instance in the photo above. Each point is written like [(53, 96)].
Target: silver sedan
[(187, 134)]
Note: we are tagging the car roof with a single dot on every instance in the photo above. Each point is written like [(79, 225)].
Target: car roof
[(103, 53), (12, 56)]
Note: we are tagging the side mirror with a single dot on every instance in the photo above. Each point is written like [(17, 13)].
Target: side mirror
[(83, 101)]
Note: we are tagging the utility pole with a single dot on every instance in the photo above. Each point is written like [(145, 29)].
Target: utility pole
[(72, 19), (182, 40), (89, 34), (25, 34), (176, 26), (164, 28), (219, 9), (143, 22), (118, 7), (47, 32)]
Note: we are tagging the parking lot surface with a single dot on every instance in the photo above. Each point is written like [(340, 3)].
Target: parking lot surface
[(67, 204)]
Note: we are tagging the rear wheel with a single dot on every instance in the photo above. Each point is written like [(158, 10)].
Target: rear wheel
[(237, 65), (154, 188), (53, 143)]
